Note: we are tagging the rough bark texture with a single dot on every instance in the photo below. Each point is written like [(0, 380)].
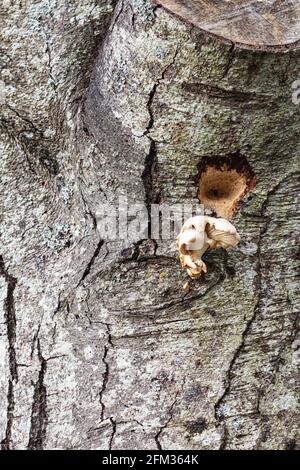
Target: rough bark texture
[(99, 347)]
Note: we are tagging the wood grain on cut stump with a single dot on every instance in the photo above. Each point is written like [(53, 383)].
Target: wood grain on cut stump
[(249, 23)]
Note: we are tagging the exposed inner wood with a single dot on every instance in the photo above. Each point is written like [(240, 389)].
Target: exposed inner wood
[(220, 190), (223, 182), (249, 23)]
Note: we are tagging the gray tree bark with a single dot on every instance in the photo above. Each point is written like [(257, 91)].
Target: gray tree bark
[(99, 346)]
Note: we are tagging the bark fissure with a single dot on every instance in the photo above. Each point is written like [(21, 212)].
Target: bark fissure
[(117, 16), (6, 442), (39, 417), (165, 425), (150, 165), (36, 338), (10, 320), (114, 424), (50, 68), (113, 433), (105, 374), (25, 119), (60, 305), (91, 262)]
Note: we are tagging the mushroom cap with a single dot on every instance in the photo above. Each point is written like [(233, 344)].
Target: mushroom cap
[(222, 232), (218, 230), (196, 223), (191, 240), (197, 235)]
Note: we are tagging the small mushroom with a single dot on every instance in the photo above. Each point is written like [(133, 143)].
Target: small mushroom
[(199, 234)]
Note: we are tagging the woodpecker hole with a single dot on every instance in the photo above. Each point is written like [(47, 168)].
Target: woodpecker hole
[(223, 182)]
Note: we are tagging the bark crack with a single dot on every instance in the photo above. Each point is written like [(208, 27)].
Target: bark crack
[(6, 442), (10, 319), (105, 374), (118, 14), (91, 262), (24, 119), (150, 165), (35, 337), (165, 425), (114, 430), (39, 418), (50, 67)]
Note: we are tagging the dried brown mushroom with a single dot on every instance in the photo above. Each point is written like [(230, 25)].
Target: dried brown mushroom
[(199, 234)]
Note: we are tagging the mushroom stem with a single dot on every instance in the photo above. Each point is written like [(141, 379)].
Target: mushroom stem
[(197, 235)]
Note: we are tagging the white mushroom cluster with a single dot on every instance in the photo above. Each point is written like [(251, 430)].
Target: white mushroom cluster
[(200, 233)]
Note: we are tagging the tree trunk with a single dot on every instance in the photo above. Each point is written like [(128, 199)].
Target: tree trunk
[(100, 347)]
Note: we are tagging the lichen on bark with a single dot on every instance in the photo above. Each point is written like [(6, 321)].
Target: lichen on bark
[(120, 98)]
